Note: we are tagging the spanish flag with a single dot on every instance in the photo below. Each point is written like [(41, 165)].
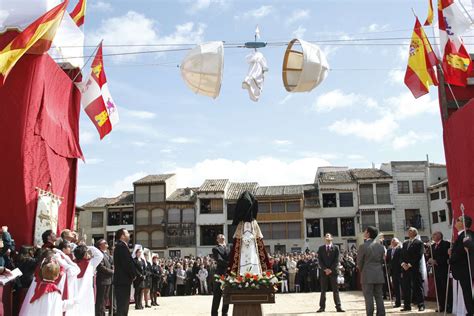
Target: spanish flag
[(420, 73), (456, 64), (79, 12), (429, 18), (35, 39)]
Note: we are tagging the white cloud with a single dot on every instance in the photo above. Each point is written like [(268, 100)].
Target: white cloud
[(258, 13), (297, 15), (136, 29), (282, 142), (144, 115), (410, 139), (166, 151), (199, 5), (396, 76), (378, 130), (355, 157), (182, 140), (264, 170), (139, 143), (338, 99), (406, 106), (143, 162), (94, 161), (87, 137), (299, 32), (125, 184), (100, 6), (374, 27)]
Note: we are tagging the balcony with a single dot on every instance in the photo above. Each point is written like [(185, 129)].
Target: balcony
[(416, 222), (383, 199), (367, 199), (181, 241)]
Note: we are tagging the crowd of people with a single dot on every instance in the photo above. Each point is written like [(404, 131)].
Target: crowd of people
[(60, 275)]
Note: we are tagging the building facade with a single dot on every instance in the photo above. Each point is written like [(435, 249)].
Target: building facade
[(441, 211)]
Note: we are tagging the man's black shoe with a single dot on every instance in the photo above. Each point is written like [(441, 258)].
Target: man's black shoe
[(421, 308), (340, 310), (321, 310), (397, 305), (405, 309)]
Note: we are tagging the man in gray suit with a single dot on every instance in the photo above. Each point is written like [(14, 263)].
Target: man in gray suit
[(370, 258)]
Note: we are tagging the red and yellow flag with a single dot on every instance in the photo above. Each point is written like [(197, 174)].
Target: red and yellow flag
[(79, 12), (35, 39), (457, 64), (420, 72), (429, 18)]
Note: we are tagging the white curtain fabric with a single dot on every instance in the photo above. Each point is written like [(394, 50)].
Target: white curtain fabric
[(253, 82), (46, 215), (249, 261)]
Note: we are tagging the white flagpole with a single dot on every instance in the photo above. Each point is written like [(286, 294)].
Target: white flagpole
[(467, 250), (434, 275)]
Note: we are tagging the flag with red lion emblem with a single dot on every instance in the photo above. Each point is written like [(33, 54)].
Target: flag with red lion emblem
[(96, 98)]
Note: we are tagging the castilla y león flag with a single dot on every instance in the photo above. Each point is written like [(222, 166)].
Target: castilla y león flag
[(96, 98), (36, 38)]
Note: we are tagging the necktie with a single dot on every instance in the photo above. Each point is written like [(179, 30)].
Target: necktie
[(393, 252)]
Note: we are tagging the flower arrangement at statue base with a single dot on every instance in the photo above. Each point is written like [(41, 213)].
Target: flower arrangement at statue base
[(248, 281)]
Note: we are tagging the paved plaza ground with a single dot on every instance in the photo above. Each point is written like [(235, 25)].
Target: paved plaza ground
[(286, 304)]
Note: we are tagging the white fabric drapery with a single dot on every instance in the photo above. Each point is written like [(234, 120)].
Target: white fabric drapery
[(253, 82)]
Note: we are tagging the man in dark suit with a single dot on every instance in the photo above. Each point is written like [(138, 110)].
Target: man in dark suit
[(393, 263), (103, 281), (124, 271), (464, 244), (221, 256), (412, 252), (439, 251), (328, 255)]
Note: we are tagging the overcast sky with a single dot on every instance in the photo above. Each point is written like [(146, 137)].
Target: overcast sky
[(361, 114)]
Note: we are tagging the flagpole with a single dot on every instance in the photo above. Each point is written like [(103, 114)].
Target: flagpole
[(434, 275), (467, 250), (87, 61), (468, 15), (449, 268)]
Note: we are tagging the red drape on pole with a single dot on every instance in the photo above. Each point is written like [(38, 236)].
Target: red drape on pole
[(39, 143), (458, 138)]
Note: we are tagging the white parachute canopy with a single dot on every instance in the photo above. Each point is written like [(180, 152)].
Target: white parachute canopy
[(202, 68), (303, 70)]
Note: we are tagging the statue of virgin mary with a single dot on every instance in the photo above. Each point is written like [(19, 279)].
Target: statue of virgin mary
[(248, 254)]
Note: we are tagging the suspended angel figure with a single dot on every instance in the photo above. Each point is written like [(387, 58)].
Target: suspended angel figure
[(253, 82), (248, 252)]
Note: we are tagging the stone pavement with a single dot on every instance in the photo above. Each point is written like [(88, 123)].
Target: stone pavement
[(301, 304)]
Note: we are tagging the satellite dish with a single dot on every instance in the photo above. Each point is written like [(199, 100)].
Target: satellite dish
[(202, 68), (304, 69)]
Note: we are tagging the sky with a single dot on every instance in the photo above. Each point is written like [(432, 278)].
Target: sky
[(362, 114)]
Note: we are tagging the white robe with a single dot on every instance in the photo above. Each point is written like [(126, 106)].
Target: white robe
[(85, 287), (255, 76), (249, 261), (49, 304), (459, 308)]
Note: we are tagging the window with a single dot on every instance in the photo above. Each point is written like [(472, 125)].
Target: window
[(266, 230), (366, 194), (418, 186), (385, 221), (313, 228), (209, 234), (346, 199), (413, 218), (188, 215), (279, 231), (329, 200), (97, 219), (403, 187), (231, 211), (330, 226), (294, 230), (263, 207), (443, 194), (96, 238), (127, 216), (142, 217), (293, 207), (175, 253), (142, 193), (347, 226), (188, 236), (367, 219), (157, 239), (113, 218), (157, 216), (157, 193), (174, 215), (280, 249), (442, 216), (230, 233), (450, 212), (172, 230), (278, 207), (383, 193), (212, 206), (435, 218), (142, 239), (434, 196)]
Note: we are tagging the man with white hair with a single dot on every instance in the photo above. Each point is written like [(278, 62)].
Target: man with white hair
[(393, 264), (411, 257)]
